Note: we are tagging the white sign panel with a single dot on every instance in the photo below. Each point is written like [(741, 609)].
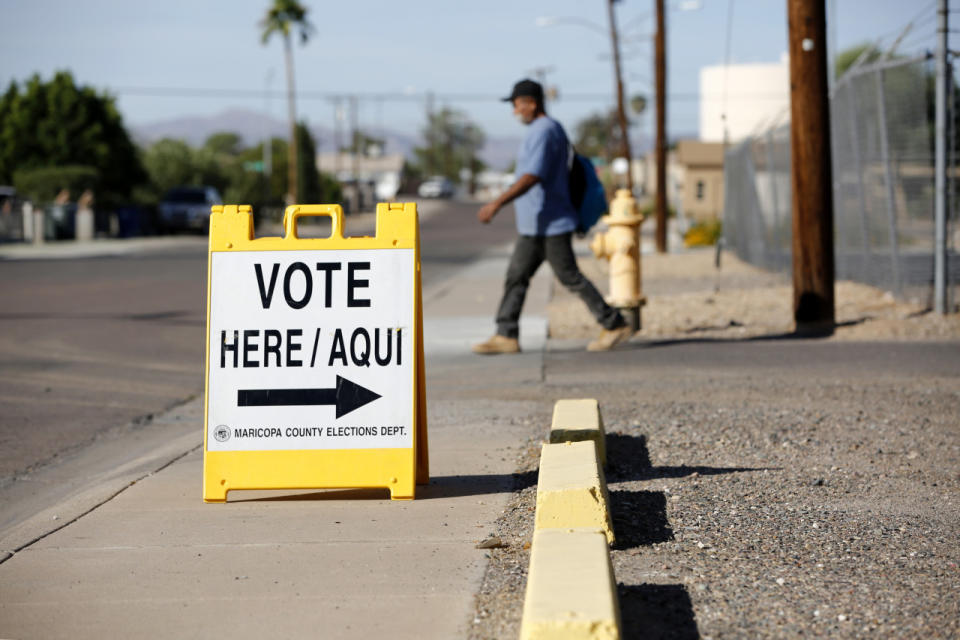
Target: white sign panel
[(311, 350)]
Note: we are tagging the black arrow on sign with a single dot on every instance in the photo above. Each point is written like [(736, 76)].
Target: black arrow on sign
[(347, 396)]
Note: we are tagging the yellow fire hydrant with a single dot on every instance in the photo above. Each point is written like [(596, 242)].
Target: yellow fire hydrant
[(620, 244)]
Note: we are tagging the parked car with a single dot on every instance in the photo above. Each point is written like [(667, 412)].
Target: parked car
[(187, 208), (436, 187)]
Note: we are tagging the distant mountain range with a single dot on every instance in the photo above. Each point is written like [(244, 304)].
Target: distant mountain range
[(253, 126)]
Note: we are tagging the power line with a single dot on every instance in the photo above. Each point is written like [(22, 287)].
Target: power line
[(929, 7), (926, 21), (194, 92), (188, 92), (925, 42)]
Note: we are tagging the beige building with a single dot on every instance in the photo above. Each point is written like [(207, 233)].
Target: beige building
[(365, 179), (701, 188), (694, 179)]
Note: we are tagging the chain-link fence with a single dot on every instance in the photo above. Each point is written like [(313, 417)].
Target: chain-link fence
[(883, 178)]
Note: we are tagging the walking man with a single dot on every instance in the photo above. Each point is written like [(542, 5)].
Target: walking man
[(546, 221)]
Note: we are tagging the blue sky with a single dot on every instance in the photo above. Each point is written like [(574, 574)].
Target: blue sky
[(450, 47)]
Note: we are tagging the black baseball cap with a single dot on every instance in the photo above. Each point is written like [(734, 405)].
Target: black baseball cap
[(526, 88)]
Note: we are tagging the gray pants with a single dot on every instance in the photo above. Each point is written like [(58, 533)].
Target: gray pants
[(528, 254)]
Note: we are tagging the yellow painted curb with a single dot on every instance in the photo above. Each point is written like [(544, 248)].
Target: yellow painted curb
[(571, 491), (577, 420), (571, 591)]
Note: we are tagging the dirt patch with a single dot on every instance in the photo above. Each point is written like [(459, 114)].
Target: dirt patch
[(688, 297)]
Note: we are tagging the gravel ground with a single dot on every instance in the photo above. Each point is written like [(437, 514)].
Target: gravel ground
[(792, 521), (744, 514), (743, 511), (687, 297)]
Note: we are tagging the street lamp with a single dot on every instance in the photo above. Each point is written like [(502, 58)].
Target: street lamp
[(678, 5), (550, 21)]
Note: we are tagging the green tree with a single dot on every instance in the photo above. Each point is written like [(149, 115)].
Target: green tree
[(59, 124), (173, 163), (847, 57), (308, 177), (224, 143), (45, 183), (170, 163), (283, 17), (598, 135), (453, 143), (237, 171), (255, 188)]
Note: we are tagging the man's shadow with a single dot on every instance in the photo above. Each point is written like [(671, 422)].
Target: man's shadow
[(628, 459), (691, 337)]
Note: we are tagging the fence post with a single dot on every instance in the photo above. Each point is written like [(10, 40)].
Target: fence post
[(778, 227), (39, 225), (841, 244), (743, 245), (940, 167), (952, 180), (26, 215), (861, 199), (888, 183), (754, 230)]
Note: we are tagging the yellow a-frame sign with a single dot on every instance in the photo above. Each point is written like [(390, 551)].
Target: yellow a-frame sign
[(314, 368)]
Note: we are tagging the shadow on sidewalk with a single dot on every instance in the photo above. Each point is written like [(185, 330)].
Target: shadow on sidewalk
[(476, 485), (439, 487), (639, 344), (653, 611), (322, 494)]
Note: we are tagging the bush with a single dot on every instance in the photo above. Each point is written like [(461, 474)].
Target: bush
[(703, 234), (649, 212), (43, 184)]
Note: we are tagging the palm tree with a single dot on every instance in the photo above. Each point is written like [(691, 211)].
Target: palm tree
[(283, 17)]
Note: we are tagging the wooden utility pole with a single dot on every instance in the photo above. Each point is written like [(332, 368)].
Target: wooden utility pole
[(813, 266), (661, 150), (621, 110)]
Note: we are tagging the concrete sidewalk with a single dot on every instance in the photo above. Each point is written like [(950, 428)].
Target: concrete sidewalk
[(133, 551)]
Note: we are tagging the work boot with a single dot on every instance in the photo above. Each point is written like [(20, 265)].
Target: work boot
[(610, 338), (497, 344)]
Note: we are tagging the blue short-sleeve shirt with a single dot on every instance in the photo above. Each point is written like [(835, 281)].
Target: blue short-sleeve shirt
[(545, 210)]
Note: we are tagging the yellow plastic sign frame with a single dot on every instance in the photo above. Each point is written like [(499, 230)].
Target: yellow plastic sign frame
[(399, 470)]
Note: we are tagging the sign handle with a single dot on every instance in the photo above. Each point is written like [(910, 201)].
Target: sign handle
[(295, 211)]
